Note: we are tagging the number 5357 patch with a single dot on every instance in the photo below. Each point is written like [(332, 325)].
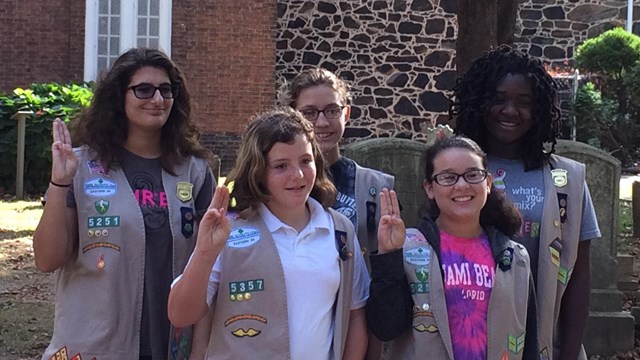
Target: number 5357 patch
[(103, 221)]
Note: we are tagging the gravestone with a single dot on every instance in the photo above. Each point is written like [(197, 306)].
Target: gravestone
[(403, 159), (609, 329)]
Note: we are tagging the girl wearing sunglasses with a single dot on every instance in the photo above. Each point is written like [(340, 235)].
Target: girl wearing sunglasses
[(456, 287), (122, 212)]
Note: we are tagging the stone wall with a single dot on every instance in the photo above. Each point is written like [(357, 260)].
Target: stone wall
[(399, 55), (553, 29)]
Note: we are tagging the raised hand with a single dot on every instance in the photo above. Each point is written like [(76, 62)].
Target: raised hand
[(391, 229), (214, 227), (64, 163)]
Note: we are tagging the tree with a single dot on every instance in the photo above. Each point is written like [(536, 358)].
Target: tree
[(483, 25)]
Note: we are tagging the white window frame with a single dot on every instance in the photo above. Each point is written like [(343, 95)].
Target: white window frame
[(128, 31)]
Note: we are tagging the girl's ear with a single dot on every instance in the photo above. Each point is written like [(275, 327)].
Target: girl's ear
[(489, 181), (428, 189), (347, 114)]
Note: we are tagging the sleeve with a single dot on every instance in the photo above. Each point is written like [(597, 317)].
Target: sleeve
[(589, 225), (390, 306), (361, 280)]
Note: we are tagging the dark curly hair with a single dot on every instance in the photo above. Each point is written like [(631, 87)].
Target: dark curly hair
[(475, 92), (103, 127), (498, 211)]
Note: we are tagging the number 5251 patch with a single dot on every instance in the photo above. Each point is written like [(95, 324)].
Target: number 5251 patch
[(103, 221)]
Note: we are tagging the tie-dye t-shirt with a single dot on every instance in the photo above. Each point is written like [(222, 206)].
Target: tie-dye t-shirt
[(469, 270)]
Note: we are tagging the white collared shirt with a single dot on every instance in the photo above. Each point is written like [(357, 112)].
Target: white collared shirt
[(312, 278)]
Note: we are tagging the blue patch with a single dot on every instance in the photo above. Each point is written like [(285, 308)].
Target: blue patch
[(100, 187), (242, 237), (418, 256)]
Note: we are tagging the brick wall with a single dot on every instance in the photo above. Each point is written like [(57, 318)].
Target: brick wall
[(227, 50), (42, 41)]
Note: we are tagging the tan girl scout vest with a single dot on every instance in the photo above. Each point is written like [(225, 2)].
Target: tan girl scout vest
[(99, 293), (559, 238), (430, 337), (368, 185), (250, 309)]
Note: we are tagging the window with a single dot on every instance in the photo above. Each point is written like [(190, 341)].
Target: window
[(114, 26)]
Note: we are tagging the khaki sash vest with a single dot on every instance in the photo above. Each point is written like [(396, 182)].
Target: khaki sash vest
[(429, 337), (559, 237), (250, 308), (99, 293), (368, 185)]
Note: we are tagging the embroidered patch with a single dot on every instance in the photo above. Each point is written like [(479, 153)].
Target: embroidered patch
[(373, 191), (103, 221), (184, 191), (102, 206), (241, 290), (415, 237), (235, 318), (95, 167), (100, 187), (422, 274), (419, 313), (419, 287), (187, 221), (341, 245), (242, 237), (422, 328), (506, 259), (516, 343), (559, 177), (251, 332), (179, 345), (417, 256), (544, 354), (564, 275), (101, 244)]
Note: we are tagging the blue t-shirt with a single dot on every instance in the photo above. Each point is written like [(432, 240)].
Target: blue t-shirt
[(526, 191)]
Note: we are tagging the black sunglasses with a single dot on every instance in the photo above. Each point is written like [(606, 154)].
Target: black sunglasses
[(147, 91)]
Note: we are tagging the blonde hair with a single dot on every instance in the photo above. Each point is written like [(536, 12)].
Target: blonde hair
[(263, 131)]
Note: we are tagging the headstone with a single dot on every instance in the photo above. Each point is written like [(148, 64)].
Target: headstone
[(403, 159), (609, 329)]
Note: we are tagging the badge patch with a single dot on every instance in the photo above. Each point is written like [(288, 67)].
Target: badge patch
[(95, 167), (103, 221), (251, 332), (101, 244), (241, 290), (564, 275), (100, 187), (422, 274), (422, 328), (102, 206), (417, 256), (415, 237), (242, 237), (255, 317), (419, 288), (559, 177), (506, 259), (516, 343), (544, 354), (184, 191)]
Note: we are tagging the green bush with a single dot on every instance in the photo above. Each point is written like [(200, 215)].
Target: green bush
[(46, 101), (608, 110)]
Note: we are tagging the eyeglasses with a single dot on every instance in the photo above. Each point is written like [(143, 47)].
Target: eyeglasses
[(330, 112), (147, 91), (450, 179)]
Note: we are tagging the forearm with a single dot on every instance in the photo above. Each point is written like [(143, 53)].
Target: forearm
[(575, 306), (389, 308), (356, 344), (187, 298), (56, 232)]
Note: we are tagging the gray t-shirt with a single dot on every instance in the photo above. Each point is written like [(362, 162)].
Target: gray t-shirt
[(526, 191)]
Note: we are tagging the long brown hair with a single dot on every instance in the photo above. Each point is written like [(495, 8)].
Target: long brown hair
[(104, 125)]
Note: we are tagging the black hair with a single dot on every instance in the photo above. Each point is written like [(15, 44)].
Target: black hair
[(498, 211), (475, 92)]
